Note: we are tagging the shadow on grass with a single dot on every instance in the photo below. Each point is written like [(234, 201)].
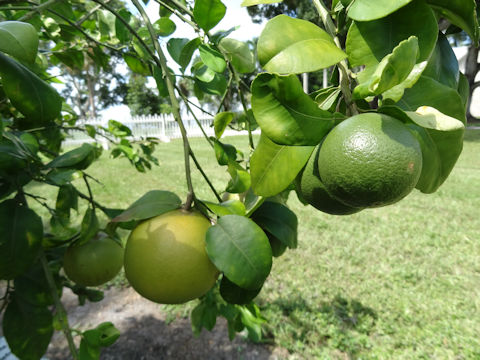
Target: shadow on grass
[(339, 325)]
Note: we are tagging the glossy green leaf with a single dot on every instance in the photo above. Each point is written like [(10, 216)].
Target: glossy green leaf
[(428, 92), (225, 153), (216, 86), (203, 72), (32, 287), (19, 40), (273, 167), (22, 233), (239, 54), (367, 10), (30, 95), (240, 178), (153, 203), (28, 329), (285, 113), (391, 71), (446, 134), (93, 340), (175, 46), (443, 65), (61, 176), (459, 12), (67, 199), (79, 158), (187, 52), (258, 2), (221, 121), (121, 31), (136, 65), (89, 226), (327, 98), (279, 221), (212, 58), (208, 13), (364, 46), (307, 47), (239, 248), (164, 27), (219, 35), (204, 315), (229, 207), (234, 294), (463, 90), (396, 92)]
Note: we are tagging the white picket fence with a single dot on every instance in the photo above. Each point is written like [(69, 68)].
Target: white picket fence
[(163, 127)]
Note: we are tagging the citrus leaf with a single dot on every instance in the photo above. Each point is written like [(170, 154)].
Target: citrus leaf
[(239, 54), (204, 315), (208, 13), (121, 31), (239, 248), (212, 58), (79, 158), (153, 203), (273, 167), (32, 287), (367, 10), (280, 53), (27, 328), (234, 294), (240, 178), (216, 86), (447, 135), (164, 27), (221, 121), (89, 226), (22, 233), (30, 95), (391, 71), (19, 40), (459, 12), (365, 47), (136, 65), (443, 64), (175, 46), (187, 52), (279, 221), (396, 92), (229, 207), (285, 113), (429, 92), (463, 90)]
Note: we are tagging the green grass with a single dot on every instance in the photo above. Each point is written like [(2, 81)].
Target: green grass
[(399, 282)]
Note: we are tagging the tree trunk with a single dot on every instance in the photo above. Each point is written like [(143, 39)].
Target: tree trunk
[(91, 96), (471, 69)]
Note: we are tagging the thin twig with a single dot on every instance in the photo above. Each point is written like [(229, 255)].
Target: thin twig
[(37, 9), (179, 15), (90, 195), (199, 167), (174, 102), (342, 65), (62, 314)]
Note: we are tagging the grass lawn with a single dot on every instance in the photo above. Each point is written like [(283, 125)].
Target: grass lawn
[(399, 282)]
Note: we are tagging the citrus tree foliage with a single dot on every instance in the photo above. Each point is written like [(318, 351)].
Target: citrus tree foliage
[(397, 99)]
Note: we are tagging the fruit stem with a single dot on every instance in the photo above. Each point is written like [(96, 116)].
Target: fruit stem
[(173, 100), (62, 314), (342, 65)]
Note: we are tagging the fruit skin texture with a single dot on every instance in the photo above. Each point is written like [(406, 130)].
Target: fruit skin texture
[(93, 263), (165, 258), (370, 160), (311, 190)]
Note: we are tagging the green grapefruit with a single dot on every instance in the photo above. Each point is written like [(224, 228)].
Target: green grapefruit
[(165, 258), (370, 160)]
